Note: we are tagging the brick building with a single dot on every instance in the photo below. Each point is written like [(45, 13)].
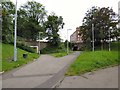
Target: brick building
[(76, 39)]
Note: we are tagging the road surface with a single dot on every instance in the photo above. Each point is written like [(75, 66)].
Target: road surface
[(103, 78), (45, 72)]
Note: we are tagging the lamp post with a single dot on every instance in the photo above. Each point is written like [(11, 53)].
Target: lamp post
[(109, 38), (39, 42), (68, 42), (92, 37), (15, 33)]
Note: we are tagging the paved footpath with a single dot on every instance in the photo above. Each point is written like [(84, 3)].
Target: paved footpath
[(45, 72), (104, 78)]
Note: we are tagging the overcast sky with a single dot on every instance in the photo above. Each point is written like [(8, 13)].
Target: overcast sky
[(72, 11)]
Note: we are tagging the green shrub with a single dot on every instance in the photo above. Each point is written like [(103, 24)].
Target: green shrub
[(49, 49), (53, 49), (115, 46), (24, 47)]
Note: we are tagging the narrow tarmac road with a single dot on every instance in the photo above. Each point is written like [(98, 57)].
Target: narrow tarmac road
[(45, 72), (103, 78)]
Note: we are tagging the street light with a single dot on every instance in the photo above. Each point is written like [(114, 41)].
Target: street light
[(15, 33), (92, 37), (68, 42), (109, 38), (39, 41)]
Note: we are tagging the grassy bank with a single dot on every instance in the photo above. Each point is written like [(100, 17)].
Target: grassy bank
[(7, 57), (90, 61)]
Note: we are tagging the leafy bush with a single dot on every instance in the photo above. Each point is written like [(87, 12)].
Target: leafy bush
[(49, 49), (53, 49), (115, 46), (24, 47)]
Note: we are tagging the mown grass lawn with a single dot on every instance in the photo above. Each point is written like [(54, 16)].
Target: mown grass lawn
[(90, 61), (7, 57)]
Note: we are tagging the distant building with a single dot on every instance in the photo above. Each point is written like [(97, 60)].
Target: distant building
[(76, 39)]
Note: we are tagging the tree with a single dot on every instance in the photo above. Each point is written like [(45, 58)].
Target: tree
[(31, 17), (70, 45), (8, 11), (52, 26), (102, 18)]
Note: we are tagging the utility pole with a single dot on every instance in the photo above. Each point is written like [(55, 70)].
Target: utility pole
[(39, 42), (68, 42), (92, 37), (15, 33), (109, 39)]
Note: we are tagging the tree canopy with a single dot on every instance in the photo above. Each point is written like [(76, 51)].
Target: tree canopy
[(8, 10), (30, 20), (52, 26), (104, 21)]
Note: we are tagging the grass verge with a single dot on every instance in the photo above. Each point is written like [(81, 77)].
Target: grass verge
[(60, 54), (90, 61), (7, 57)]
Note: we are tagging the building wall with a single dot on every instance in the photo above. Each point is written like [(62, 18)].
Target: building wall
[(36, 43), (75, 37)]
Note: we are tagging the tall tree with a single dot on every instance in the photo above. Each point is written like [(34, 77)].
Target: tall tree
[(31, 17), (102, 18), (8, 11), (52, 26)]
